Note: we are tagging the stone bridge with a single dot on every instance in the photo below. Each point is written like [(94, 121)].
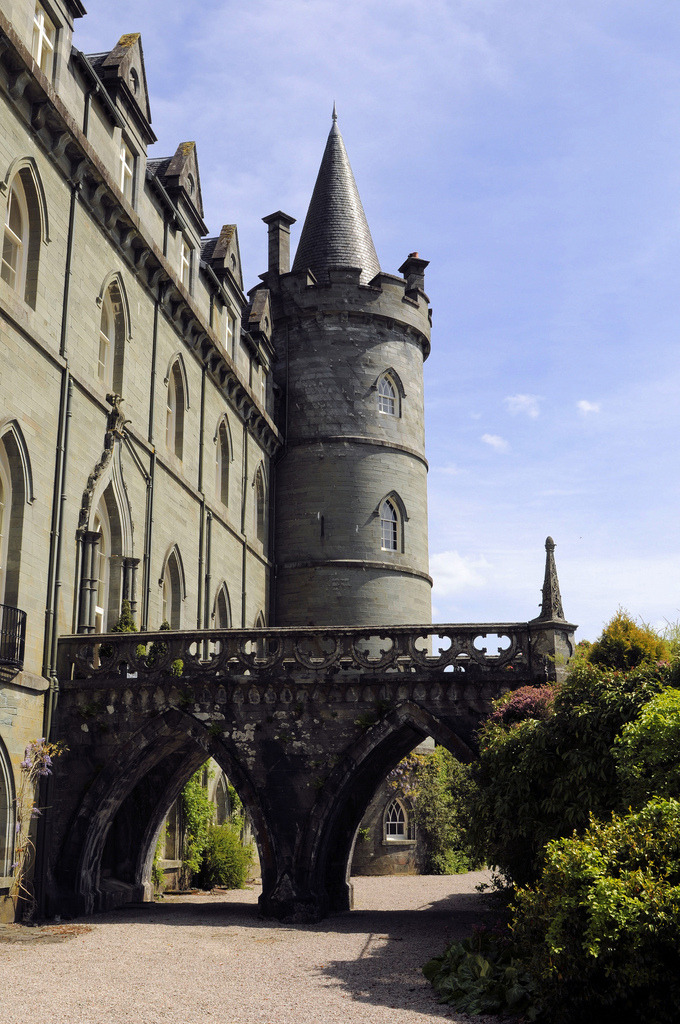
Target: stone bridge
[(305, 721)]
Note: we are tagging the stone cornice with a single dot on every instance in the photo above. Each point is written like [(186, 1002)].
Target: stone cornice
[(56, 131), (376, 442)]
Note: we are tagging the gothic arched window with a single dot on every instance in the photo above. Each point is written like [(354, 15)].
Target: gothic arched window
[(16, 238), (102, 567), (5, 514), (260, 505), (222, 460), (25, 226), (387, 396), (172, 590), (174, 413), (389, 526), (222, 612), (6, 815), (106, 342), (396, 821)]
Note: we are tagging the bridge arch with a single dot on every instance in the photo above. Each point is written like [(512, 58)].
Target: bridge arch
[(135, 790), (324, 856)]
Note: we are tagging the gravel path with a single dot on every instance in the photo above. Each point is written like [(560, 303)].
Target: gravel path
[(208, 957)]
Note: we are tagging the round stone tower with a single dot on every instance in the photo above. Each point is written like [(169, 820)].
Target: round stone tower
[(350, 489)]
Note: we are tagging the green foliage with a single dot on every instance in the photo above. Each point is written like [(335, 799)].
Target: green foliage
[(157, 874), (648, 750), (158, 650), (482, 975), (600, 932), (198, 818), (126, 622), (539, 779), (439, 788), (225, 860), (625, 644)]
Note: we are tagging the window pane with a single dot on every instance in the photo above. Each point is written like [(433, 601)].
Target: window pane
[(388, 526)]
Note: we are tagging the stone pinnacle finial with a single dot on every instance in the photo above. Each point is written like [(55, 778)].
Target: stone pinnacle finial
[(551, 603), (335, 113)]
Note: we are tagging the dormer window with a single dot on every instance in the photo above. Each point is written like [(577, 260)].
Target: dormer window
[(44, 36), (185, 264), (127, 170)]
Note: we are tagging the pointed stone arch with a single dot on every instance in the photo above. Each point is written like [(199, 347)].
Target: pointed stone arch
[(114, 279), (342, 802), (177, 359), (221, 607), (16, 484), (12, 434), (394, 377), (150, 771)]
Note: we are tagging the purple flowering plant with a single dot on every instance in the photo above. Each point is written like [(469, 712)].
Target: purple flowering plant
[(37, 763)]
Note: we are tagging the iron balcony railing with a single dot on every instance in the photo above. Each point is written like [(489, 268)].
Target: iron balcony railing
[(12, 636)]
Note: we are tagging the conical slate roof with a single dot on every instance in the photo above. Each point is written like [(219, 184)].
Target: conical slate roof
[(335, 232)]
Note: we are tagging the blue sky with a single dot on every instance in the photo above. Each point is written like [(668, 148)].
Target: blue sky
[(531, 152)]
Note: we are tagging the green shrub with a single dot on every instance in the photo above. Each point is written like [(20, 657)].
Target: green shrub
[(539, 779), (625, 644), (600, 932), (225, 860), (648, 750)]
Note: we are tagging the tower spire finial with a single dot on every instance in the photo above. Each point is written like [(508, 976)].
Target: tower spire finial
[(551, 602), (335, 112)]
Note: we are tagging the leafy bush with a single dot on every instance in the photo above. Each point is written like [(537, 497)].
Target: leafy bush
[(539, 779), (439, 788), (625, 644), (482, 975), (225, 860), (198, 818), (600, 932), (647, 751)]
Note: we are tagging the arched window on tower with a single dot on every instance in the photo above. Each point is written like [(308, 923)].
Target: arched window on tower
[(387, 396), (260, 506), (174, 414), (222, 460), (389, 526)]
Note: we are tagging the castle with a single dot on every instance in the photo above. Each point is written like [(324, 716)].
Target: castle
[(216, 458)]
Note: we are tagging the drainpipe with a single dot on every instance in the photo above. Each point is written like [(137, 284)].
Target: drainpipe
[(58, 494), (201, 530), (51, 634), (148, 522), (208, 552), (244, 484)]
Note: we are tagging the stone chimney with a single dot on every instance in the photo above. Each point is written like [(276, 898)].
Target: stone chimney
[(279, 241), (413, 270)]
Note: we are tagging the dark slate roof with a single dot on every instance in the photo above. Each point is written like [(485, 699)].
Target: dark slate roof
[(335, 232), (208, 248)]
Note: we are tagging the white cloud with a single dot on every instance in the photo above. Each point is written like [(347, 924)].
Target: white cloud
[(585, 408), (527, 404), (454, 574), (450, 470), (496, 442)]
